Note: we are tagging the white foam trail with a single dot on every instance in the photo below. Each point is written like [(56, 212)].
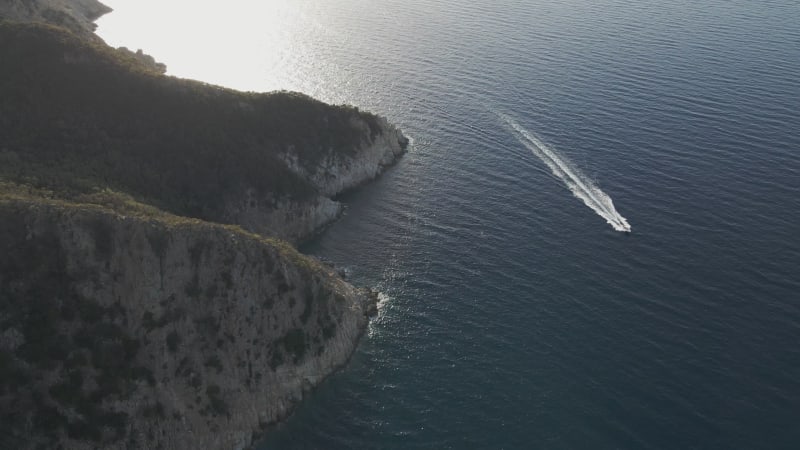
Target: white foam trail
[(580, 185)]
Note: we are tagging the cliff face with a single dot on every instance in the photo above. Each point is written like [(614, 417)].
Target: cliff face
[(335, 172), (285, 218), (331, 173), (146, 316), (76, 15), (268, 162), (135, 310), (132, 331)]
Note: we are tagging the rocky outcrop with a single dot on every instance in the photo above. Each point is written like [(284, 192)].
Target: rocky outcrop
[(284, 218), (151, 330), (270, 162), (335, 172), (145, 59), (76, 15)]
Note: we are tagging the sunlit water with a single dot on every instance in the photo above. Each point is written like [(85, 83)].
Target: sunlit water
[(516, 317)]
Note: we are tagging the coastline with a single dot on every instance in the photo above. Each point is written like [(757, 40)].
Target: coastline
[(225, 327)]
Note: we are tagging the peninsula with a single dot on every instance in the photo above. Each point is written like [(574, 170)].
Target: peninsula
[(150, 292)]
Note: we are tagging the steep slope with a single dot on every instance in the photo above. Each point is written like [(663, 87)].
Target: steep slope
[(144, 329), (77, 114), (147, 299), (76, 15)]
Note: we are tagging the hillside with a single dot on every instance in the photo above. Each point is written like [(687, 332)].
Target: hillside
[(76, 115), (133, 328), (149, 297)]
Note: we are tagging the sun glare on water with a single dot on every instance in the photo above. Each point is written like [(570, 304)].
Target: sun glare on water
[(242, 44)]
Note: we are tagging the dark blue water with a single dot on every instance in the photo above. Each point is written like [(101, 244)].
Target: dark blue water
[(516, 316)]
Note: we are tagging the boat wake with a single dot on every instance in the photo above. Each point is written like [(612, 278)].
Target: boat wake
[(580, 185)]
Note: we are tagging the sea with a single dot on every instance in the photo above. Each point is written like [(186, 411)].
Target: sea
[(517, 311)]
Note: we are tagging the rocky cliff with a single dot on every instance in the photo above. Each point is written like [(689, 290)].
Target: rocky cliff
[(331, 173), (148, 298), (335, 172), (138, 329), (76, 15), (268, 162)]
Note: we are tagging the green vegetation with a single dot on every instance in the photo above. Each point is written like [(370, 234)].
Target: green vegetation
[(95, 360), (308, 304), (171, 315), (214, 361), (154, 410), (173, 341), (276, 359), (207, 325), (106, 120), (294, 342), (217, 405), (18, 197), (192, 288)]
